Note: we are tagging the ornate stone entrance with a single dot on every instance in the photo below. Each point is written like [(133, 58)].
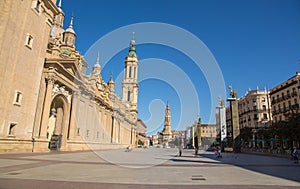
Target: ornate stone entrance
[(57, 128)]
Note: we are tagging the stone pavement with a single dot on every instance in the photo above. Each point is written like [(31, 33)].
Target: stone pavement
[(145, 168)]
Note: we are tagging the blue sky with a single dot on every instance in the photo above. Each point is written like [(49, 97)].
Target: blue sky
[(254, 42)]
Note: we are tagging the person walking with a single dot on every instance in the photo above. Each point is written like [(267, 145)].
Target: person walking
[(295, 154), (180, 151), (218, 152)]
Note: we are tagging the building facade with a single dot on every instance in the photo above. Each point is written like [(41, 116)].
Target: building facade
[(285, 98), (53, 104), (24, 35), (255, 109)]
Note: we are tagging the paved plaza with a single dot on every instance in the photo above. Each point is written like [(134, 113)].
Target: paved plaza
[(145, 168)]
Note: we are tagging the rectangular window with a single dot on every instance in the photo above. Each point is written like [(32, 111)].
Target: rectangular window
[(128, 96), (264, 107), (294, 92), (134, 72), (18, 98), (12, 129), (78, 131), (36, 6), (255, 117), (265, 116), (29, 41)]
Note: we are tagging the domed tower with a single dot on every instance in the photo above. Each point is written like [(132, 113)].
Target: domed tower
[(130, 81), (70, 35)]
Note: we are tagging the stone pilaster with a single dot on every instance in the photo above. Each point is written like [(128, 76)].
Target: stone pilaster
[(46, 110)]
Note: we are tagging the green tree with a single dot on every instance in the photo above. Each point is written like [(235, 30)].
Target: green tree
[(140, 142), (246, 134)]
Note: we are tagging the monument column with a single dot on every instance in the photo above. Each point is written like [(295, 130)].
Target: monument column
[(236, 142), (46, 110)]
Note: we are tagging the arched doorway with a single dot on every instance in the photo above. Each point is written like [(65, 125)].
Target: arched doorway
[(58, 123)]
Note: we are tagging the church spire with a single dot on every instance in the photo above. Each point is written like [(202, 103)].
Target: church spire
[(98, 61), (130, 81), (111, 83), (70, 28), (59, 6), (132, 51), (59, 3), (97, 67), (168, 118), (70, 35)]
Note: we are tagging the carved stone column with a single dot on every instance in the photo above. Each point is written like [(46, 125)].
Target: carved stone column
[(74, 110), (46, 109)]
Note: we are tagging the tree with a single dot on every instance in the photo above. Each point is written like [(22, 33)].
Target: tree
[(140, 143), (246, 134)]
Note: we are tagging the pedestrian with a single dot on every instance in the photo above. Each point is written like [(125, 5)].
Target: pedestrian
[(295, 155), (196, 150), (180, 150), (218, 152), (292, 153)]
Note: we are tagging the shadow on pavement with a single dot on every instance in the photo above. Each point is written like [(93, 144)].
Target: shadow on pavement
[(273, 166)]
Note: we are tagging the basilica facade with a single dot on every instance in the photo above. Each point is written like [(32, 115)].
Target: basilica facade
[(48, 101)]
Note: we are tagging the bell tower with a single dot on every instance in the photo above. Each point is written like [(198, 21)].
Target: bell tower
[(130, 82), (167, 133), (70, 35)]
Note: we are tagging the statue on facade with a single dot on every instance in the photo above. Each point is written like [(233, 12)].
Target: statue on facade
[(51, 123)]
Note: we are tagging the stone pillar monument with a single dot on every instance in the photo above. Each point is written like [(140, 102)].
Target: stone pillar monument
[(236, 141)]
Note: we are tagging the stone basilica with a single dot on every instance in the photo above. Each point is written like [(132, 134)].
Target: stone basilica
[(47, 100)]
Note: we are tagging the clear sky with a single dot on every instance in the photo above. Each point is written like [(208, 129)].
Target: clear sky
[(254, 42)]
